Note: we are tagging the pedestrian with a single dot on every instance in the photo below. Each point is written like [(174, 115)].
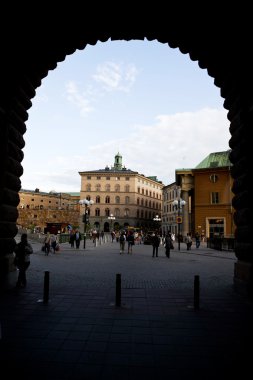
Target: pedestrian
[(168, 244), (47, 243), (130, 240), (77, 239), (54, 242), (72, 239), (197, 240), (23, 250), (188, 241), (122, 241), (155, 244)]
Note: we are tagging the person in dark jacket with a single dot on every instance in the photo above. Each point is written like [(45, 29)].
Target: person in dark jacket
[(22, 259), (168, 244), (155, 244)]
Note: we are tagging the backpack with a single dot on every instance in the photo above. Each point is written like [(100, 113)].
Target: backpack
[(122, 238)]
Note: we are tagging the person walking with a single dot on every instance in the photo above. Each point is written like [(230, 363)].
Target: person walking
[(54, 242), (155, 244), (77, 239), (168, 244), (47, 243), (122, 241), (130, 240), (188, 241), (197, 239), (22, 251)]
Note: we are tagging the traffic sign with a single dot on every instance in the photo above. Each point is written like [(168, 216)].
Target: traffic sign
[(179, 219)]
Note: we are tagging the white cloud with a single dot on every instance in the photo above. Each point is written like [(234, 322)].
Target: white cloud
[(79, 100), (115, 76), (181, 140)]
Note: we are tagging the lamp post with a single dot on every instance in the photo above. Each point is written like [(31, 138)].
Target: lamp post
[(157, 219), (86, 203), (179, 203), (111, 218)]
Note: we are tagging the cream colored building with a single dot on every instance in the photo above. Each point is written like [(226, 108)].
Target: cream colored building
[(122, 198), (38, 210)]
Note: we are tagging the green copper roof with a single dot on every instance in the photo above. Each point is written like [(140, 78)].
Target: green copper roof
[(215, 160)]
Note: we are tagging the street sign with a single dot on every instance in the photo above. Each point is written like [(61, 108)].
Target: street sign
[(179, 219)]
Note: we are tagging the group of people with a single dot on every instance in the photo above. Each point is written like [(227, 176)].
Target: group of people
[(50, 241), (75, 238)]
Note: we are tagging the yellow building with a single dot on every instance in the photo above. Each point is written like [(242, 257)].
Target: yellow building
[(122, 198), (207, 193), (39, 210)]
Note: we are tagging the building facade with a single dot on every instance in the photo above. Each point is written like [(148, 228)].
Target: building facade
[(40, 210), (207, 192), (122, 198)]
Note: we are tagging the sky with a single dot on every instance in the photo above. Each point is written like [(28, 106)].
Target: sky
[(148, 102)]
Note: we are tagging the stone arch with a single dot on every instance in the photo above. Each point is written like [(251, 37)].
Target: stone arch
[(25, 64)]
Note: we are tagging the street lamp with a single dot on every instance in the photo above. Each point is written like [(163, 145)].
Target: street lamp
[(111, 218), (179, 203), (157, 219), (86, 203)]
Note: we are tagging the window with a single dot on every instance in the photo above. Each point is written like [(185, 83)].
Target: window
[(214, 198), (98, 177), (97, 212), (213, 178), (98, 187), (107, 199), (117, 188), (107, 212), (97, 199), (127, 200), (108, 178), (88, 187), (127, 178), (127, 188), (88, 177), (107, 188), (126, 212), (117, 199), (117, 212)]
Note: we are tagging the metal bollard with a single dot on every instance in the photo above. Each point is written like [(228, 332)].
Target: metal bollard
[(46, 287), (196, 292), (118, 289)]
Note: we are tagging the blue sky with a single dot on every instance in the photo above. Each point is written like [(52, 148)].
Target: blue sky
[(147, 101)]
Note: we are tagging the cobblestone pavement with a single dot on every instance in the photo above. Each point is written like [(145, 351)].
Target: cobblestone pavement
[(159, 328)]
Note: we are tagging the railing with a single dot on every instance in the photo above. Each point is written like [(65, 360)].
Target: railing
[(221, 244)]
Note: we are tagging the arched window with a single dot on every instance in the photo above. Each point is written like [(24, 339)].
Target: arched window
[(146, 203), (142, 202), (107, 199), (117, 199), (149, 203), (117, 212), (97, 212), (97, 199), (107, 212), (117, 188), (127, 200), (107, 188), (138, 201), (126, 212), (88, 187), (127, 188), (98, 187)]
